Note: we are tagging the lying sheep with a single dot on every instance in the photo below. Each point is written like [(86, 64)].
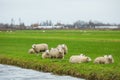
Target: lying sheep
[(107, 59), (100, 60), (64, 47), (31, 51), (46, 54), (56, 53), (79, 59), (40, 47)]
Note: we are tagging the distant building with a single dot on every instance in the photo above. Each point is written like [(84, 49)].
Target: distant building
[(47, 27), (106, 27)]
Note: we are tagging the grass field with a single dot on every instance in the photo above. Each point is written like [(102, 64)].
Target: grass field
[(14, 50)]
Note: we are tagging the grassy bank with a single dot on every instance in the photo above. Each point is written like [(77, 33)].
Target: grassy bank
[(14, 51)]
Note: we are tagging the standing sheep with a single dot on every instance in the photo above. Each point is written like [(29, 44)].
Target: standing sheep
[(79, 59), (64, 47), (57, 53), (107, 59), (40, 47), (46, 54)]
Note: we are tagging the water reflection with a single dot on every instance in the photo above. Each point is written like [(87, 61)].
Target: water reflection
[(17, 73)]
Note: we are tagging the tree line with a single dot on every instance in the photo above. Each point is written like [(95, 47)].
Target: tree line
[(75, 25)]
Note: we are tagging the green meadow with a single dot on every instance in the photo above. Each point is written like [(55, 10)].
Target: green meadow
[(14, 48)]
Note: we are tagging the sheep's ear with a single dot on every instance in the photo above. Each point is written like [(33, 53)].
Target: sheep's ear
[(110, 56), (81, 54), (33, 46), (63, 45), (51, 48), (105, 56), (47, 51)]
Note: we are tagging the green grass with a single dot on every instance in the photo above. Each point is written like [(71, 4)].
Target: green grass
[(14, 50)]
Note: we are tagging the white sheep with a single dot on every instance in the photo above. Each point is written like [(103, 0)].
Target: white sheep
[(40, 47), (46, 54), (106, 59), (79, 59), (31, 51), (100, 60), (64, 47), (57, 53)]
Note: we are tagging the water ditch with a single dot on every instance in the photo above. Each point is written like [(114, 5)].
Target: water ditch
[(8, 72)]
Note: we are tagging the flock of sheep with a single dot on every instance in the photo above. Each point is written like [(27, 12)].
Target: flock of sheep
[(61, 50)]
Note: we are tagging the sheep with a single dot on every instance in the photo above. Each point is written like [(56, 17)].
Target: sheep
[(64, 47), (46, 54), (56, 53), (40, 47), (100, 60), (106, 59), (79, 59), (31, 51)]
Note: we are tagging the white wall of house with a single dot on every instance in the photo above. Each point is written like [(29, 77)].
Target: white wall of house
[(46, 27), (111, 27)]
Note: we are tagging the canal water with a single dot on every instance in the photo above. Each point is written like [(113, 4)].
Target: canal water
[(16, 73)]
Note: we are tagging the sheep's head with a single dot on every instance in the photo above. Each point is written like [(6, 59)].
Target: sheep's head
[(60, 50), (105, 56), (110, 59), (81, 54), (47, 53), (89, 59), (63, 45), (52, 48)]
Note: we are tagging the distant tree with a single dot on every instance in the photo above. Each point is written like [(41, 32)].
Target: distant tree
[(22, 26), (118, 25), (68, 26), (80, 24), (46, 23), (6, 25), (1, 25), (58, 24), (50, 23), (91, 24)]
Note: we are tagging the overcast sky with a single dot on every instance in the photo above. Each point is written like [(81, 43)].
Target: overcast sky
[(65, 11)]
